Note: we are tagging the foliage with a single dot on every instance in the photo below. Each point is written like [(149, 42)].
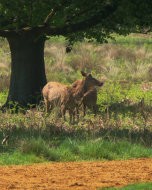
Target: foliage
[(93, 19), (3, 97)]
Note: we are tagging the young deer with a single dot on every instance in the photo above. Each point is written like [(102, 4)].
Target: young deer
[(56, 94), (68, 97)]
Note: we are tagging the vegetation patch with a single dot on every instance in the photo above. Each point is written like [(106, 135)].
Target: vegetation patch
[(17, 157), (140, 186), (71, 149)]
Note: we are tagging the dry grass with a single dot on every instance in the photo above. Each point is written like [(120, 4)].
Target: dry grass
[(112, 61)]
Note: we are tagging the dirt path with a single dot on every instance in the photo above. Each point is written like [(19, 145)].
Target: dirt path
[(75, 175)]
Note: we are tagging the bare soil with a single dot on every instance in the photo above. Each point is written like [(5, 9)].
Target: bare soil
[(75, 175)]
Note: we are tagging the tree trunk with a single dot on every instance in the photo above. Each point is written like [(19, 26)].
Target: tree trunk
[(27, 70)]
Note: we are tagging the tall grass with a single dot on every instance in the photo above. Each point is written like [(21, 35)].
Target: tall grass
[(113, 61), (74, 150), (4, 65), (126, 58), (71, 149)]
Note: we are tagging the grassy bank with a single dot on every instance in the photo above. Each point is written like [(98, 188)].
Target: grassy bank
[(71, 149), (142, 186)]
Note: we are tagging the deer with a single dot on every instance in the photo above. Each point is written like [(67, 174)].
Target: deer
[(68, 97), (56, 94), (89, 98), (90, 101)]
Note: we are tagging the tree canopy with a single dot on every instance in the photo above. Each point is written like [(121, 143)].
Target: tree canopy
[(74, 19)]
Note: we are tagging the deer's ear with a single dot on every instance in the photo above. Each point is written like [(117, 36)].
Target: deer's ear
[(83, 74)]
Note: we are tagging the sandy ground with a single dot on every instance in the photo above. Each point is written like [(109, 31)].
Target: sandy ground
[(75, 175)]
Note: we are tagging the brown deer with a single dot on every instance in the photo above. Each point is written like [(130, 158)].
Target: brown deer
[(90, 101), (56, 94), (68, 97), (52, 94), (89, 98)]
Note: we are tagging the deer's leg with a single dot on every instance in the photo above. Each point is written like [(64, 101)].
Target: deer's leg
[(72, 116), (77, 112), (47, 104), (95, 109), (84, 109), (63, 111)]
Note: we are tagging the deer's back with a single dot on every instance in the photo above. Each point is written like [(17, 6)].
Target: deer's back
[(53, 90)]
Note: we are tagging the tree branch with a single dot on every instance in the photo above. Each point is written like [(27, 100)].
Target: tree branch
[(7, 33), (53, 11), (67, 28), (50, 15), (82, 25)]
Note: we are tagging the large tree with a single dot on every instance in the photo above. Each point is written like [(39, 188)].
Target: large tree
[(27, 23)]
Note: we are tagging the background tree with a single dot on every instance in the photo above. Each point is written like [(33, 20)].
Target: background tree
[(27, 23)]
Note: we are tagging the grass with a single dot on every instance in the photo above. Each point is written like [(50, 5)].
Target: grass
[(126, 58), (134, 41), (3, 96), (121, 130), (71, 149), (141, 186), (16, 158)]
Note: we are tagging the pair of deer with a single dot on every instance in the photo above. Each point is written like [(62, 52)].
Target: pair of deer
[(71, 97)]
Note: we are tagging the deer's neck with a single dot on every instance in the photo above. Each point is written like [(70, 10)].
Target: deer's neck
[(79, 89), (82, 87)]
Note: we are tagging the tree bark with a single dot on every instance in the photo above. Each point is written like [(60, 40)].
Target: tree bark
[(27, 70)]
